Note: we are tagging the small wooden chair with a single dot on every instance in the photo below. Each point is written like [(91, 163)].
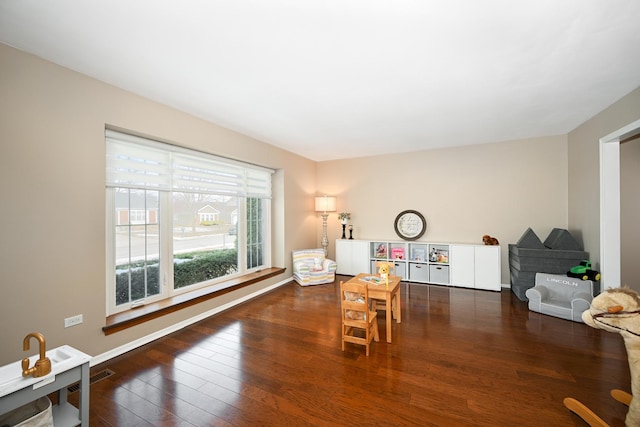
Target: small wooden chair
[(356, 316)]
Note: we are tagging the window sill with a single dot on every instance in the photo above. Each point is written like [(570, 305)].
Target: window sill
[(121, 321)]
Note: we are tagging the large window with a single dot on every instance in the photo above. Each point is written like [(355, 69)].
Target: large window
[(178, 220)]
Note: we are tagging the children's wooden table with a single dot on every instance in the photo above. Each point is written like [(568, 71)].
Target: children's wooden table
[(389, 294)]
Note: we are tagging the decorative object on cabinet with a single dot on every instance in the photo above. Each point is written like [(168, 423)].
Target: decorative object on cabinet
[(350, 231), (397, 253), (344, 217), (325, 204), (419, 254), (439, 254), (311, 267), (433, 256), (410, 225), (488, 240), (381, 250)]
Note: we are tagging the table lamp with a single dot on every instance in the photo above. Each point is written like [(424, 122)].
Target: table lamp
[(325, 204)]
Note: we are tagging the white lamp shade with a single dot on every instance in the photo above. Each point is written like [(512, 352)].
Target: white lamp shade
[(325, 204)]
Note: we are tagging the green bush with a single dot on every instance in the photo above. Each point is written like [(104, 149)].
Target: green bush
[(188, 269), (204, 266), (137, 271)]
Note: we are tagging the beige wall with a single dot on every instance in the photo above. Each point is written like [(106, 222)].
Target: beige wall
[(53, 206), (499, 189), (630, 213), (584, 169), (52, 161)]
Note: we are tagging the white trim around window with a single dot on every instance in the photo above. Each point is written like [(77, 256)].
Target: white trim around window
[(153, 193)]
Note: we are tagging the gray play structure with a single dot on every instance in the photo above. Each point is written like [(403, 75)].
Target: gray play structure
[(559, 252)]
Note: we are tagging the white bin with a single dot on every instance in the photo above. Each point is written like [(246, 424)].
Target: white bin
[(34, 414), (439, 274)]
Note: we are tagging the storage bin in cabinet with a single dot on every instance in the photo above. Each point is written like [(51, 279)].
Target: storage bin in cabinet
[(401, 270), (418, 272), (439, 274)]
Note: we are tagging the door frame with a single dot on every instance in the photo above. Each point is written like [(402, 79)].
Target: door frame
[(610, 204)]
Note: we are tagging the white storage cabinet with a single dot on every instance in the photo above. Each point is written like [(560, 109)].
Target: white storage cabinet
[(475, 266), (352, 256), (463, 265), (487, 268), (395, 252)]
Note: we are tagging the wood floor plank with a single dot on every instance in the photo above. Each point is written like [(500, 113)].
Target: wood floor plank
[(460, 357)]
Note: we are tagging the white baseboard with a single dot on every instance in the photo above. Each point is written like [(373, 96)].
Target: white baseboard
[(96, 360)]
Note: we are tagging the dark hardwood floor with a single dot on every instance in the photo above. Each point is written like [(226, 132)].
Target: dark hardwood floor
[(460, 357)]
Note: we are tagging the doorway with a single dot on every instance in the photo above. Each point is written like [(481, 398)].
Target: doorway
[(610, 204)]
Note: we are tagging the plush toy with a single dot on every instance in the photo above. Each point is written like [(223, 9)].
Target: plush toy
[(618, 311), (488, 240), (384, 272)]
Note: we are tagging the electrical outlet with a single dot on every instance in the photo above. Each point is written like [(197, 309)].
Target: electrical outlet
[(73, 321)]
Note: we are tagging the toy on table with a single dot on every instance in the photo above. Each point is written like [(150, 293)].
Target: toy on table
[(384, 273), (584, 271), (618, 311)]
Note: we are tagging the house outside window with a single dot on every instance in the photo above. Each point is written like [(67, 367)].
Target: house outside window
[(178, 220), (208, 215), (138, 216)]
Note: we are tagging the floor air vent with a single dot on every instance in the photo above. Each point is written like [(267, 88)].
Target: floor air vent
[(98, 376)]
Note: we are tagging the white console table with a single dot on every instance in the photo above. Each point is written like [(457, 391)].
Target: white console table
[(63, 374), (452, 264)]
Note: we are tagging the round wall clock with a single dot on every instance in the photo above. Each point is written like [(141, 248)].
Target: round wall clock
[(410, 225)]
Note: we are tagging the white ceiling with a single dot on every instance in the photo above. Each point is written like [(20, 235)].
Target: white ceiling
[(332, 79)]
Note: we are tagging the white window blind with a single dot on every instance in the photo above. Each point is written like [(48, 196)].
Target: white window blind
[(132, 165), (134, 162)]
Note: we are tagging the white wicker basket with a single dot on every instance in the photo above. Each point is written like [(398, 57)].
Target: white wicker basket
[(34, 414)]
